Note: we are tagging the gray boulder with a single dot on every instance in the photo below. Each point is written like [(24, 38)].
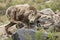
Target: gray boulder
[(47, 11), (24, 34)]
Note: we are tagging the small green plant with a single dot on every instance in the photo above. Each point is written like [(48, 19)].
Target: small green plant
[(39, 34), (51, 36), (9, 38)]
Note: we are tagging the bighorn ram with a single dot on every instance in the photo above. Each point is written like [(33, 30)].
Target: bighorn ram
[(20, 13)]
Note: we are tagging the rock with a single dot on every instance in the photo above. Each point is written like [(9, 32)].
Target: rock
[(28, 34), (55, 27), (2, 29), (45, 21), (45, 36), (56, 17), (24, 34), (47, 11), (3, 34)]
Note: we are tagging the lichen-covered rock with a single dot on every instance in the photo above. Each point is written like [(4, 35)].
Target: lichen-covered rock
[(47, 11), (46, 17), (45, 21)]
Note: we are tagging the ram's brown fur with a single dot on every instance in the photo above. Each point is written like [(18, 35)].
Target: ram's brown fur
[(19, 13)]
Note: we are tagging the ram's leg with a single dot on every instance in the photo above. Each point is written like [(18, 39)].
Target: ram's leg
[(9, 25), (27, 24), (19, 25)]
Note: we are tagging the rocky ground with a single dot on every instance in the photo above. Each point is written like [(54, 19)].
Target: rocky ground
[(3, 35)]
